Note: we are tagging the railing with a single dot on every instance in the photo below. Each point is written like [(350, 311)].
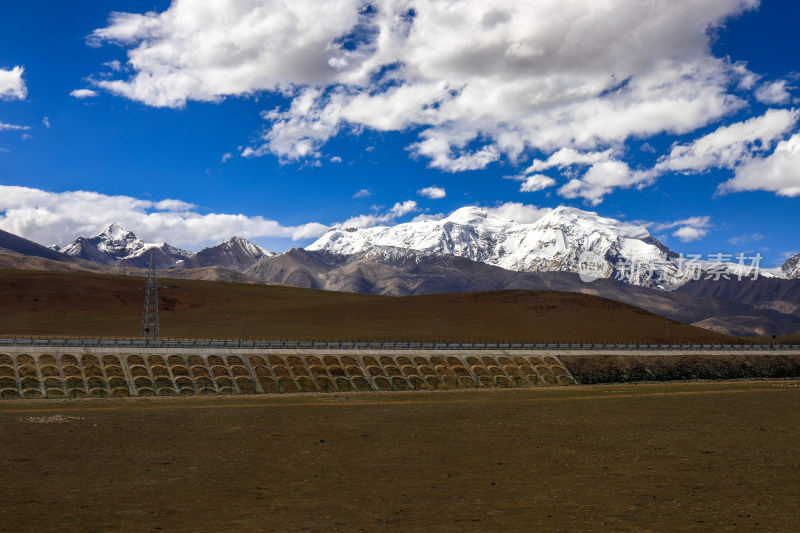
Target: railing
[(318, 345)]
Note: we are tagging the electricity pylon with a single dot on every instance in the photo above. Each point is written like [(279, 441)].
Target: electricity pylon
[(150, 329)]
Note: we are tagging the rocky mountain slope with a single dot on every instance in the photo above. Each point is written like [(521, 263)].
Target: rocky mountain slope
[(764, 293), (472, 250), (791, 268), (236, 253), (18, 245), (374, 273)]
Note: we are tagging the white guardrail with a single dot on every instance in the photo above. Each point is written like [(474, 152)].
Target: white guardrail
[(319, 345)]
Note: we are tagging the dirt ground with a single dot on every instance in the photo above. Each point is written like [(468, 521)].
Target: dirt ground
[(719, 456)]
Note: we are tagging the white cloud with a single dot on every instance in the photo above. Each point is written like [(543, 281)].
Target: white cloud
[(4, 126), (114, 65), (778, 172), (302, 130), (400, 209), (480, 81), (362, 193), (536, 182), (226, 156), (726, 147), (741, 239), (12, 86), (51, 217), (46, 122), (448, 152), (605, 173), (746, 79), (83, 93), (434, 193), (689, 234), (377, 218), (697, 222), (519, 212), (335, 159), (729, 146), (425, 217), (567, 157), (601, 179), (773, 93), (688, 229)]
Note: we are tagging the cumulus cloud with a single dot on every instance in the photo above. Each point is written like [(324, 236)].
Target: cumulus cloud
[(698, 222), (689, 234), (519, 212), (601, 179), (728, 146), (773, 93), (778, 172), (83, 93), (688, 229), (567, 157), (536, 182), (434, 192), (400, 209), (377, 217), (51, 217), (479, 81), (426, 217), (114, 65), (746, 78), (12, 86), (335, 159)]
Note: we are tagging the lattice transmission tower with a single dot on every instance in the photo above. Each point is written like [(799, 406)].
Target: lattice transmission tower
[(150, 328)]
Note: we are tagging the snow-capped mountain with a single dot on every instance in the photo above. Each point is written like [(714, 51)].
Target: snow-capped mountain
[(115, 243), (566, 240), (237, 253), (791, 268)]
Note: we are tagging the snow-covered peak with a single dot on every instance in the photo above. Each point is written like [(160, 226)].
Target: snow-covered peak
[(554, 242), (115, 232), (117, 240), (474, 215), (587, 222), (115, 243)]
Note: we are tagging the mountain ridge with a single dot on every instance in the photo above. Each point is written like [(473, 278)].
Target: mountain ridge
[(558, 241), (434, 274)]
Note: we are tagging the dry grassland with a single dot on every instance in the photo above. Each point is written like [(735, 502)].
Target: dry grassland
[(668, 457), (85, 304)]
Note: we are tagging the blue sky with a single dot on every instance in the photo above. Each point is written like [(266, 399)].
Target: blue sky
[(196, 121)]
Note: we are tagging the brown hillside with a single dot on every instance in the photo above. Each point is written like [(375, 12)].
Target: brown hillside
[(90, 304)]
